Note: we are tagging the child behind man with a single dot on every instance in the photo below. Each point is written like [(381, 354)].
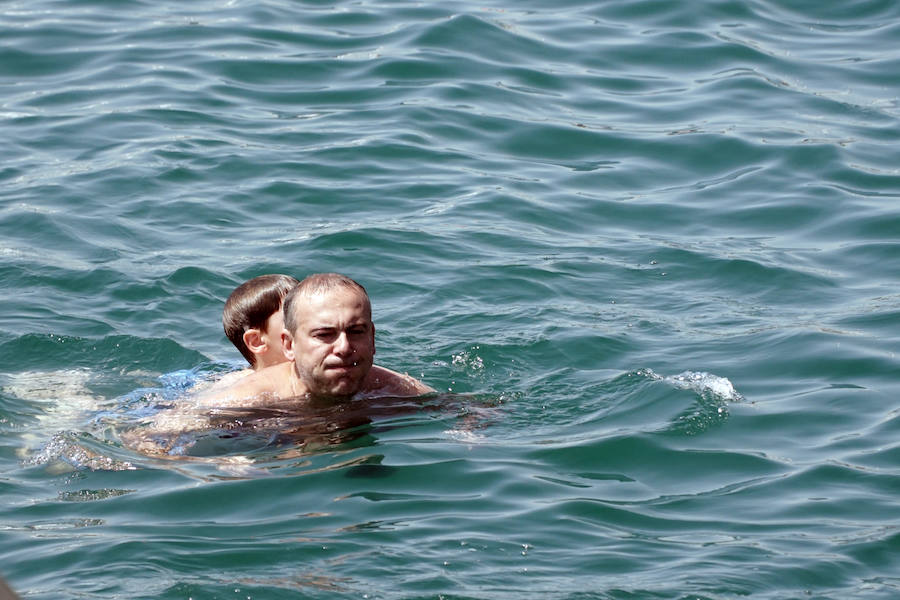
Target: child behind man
[(253, 321)]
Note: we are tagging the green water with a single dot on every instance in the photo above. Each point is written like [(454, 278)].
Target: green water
[(647, 252)]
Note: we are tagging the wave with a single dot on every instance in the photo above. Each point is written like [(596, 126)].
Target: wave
[(702, 383)]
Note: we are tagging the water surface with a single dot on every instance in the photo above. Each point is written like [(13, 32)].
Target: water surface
[(645, 250)]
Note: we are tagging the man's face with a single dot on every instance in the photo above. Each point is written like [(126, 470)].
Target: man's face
[(334, 344)]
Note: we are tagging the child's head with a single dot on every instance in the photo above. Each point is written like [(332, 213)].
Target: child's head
[(253, 320)]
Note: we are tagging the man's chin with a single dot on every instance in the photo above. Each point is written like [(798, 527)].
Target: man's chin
[(343, 388)]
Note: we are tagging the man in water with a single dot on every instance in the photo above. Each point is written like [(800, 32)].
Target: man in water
[(329, 341), (329, 344)]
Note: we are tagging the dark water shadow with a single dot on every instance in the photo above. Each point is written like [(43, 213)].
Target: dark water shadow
[(285, 435)]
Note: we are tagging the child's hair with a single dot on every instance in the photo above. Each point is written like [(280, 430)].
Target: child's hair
[(251, 304)]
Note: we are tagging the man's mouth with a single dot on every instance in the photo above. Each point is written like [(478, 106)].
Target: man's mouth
[(342, 366)]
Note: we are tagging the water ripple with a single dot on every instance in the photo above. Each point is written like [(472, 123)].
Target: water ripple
[(646, 251)]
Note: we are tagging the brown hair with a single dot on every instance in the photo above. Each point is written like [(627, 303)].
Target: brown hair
[(251, 304), (314, 284)]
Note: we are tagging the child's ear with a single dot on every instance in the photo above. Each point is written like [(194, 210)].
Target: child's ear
[(287, 345), (254, 341)]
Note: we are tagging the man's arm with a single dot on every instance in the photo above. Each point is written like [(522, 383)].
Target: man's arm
[(385, 382)]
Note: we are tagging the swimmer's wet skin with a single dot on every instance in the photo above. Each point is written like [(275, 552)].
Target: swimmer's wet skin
[(186, 429), (329, 341)]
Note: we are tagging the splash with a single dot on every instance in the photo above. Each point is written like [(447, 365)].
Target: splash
[(468, 361), (703, 383), (63, 399), (68, 410), (710, 408), (64, 448), (465, 435), (63, 395)]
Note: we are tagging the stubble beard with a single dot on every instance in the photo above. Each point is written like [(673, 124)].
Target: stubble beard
[(323, 388)]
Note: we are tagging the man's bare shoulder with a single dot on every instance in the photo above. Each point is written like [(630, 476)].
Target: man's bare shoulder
[(270, 382), (224, 382), (385, 382)]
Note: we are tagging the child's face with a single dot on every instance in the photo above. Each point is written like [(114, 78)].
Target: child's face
[(274, 354)]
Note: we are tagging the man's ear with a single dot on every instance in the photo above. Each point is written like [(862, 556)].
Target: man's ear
[(373, 340), (287, 344), (254, 341)]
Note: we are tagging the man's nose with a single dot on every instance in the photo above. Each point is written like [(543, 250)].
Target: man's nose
[(342, 344)]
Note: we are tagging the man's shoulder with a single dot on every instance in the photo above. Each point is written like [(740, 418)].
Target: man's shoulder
[(225, 381), (385, 382), (269, 381)]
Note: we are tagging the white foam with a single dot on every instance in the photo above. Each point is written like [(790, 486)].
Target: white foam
[(64, 448), (49, 385), (705, 383), (465, 435), (66, 403), (64, 395)]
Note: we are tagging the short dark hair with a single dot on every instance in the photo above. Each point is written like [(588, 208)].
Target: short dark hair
[(314, 284), (251, 304)]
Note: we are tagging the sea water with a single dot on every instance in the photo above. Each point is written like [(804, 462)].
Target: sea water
[(647, 251)]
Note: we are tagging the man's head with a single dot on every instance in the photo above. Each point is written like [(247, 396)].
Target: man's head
[(329, 334), (253, 319)]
